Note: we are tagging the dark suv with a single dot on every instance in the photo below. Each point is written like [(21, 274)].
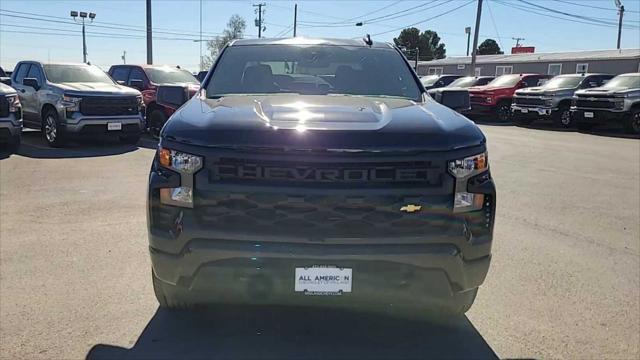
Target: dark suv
[(147, 78), (318, 172)]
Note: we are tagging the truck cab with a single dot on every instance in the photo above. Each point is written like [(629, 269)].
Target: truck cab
[(494, 99), (146, 79)]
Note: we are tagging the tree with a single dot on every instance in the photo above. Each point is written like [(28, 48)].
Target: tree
[(235, 30), (489, 47), (428, 42)]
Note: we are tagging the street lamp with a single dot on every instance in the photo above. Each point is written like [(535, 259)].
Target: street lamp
[(83, 15)]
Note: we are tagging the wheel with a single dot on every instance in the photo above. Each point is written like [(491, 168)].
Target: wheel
[(632, 124), (584, 126), (130, 139), (562, 117), (503, 111), (53, 133), (157, 118), (168, 296)]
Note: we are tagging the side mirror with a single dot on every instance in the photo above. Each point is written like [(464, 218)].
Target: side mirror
[(5, 80), (136, 84), (457, 100), (31, 82), (172, 96)]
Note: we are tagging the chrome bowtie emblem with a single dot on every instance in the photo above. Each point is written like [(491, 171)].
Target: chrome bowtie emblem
[(411, 208)]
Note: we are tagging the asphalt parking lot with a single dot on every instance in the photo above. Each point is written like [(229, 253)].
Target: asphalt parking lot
[(564, 283)]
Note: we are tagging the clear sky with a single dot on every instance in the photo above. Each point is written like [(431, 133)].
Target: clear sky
[(43, 29)]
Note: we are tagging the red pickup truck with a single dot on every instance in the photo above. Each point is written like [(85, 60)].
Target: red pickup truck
[(147, 78), (494, 99)]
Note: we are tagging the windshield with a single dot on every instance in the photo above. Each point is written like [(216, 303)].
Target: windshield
[(505, 80), (623, 81), (561, 82), (75, 74), (463, 82), (312, 70), (168, 75), (429, 80)]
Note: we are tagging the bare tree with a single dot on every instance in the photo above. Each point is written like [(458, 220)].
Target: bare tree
[(235, 30)]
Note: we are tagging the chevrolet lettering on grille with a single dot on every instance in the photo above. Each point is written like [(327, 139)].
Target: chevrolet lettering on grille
[(324, 174)]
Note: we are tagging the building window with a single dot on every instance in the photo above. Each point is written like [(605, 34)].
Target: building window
[(554, 69), (435, 71), (582, 68), (502, 70), (478, 71)]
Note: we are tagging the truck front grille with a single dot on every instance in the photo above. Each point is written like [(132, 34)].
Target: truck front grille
[(596, 104), (477, 99), (528, 101), (323, 216), (108, 106)]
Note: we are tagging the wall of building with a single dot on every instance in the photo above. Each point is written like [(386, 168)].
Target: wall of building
[(614, 66)]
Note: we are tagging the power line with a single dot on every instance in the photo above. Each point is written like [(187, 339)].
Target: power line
[(594, 7), (372, 19), (494, 24), (425, 20)]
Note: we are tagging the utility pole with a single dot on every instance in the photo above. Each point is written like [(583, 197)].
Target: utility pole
[(472, 70), (149, 35), (295, 19), (201, 67), (467, 31), (518, 39), (417, 56), (83, 16), (621, 13), (124, 56), (258, 21)]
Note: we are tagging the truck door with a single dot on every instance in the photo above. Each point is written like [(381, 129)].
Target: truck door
[(31, 106)]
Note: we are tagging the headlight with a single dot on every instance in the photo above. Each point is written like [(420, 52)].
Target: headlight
[(548, 102), (179, 161), (14, 103), (619, 104), (469, 166), (463, 169), (71, 103), (140, 101), (187, 165), (574, 102), (489, 99)]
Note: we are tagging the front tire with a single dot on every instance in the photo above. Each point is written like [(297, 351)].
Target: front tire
[(562, 118), (632, 124), (51, 129), (503, 111)]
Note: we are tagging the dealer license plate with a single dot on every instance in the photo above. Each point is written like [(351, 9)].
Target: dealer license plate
[(588, 114), (323, 280), (114, 126)]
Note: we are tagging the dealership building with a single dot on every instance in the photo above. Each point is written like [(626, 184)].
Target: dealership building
[(596, 61)]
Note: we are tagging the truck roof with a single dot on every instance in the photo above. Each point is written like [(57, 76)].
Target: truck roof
[(309, 41)]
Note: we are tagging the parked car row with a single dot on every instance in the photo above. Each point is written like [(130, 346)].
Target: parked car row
[(66, 100), (581, 100)]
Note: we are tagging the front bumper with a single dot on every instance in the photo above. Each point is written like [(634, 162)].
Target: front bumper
[(532, 111), (76, 123), (598, 116)]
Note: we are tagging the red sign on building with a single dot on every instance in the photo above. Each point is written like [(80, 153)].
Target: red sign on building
[(523, 50)]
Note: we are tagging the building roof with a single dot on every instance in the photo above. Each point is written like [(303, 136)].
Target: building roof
[(308, 41), (539, 57)]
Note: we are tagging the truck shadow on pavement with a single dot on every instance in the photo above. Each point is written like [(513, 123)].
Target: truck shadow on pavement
[(34, 146), (297, 333)]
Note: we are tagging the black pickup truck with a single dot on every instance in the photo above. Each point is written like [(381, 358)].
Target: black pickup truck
[(318, 172)]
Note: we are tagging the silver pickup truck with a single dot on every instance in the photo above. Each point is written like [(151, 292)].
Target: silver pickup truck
[(10, 117), (553, 99), (65, 100)]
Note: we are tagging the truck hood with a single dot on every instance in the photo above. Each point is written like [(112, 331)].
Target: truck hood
[(541, 91), (93, 88), (321, 122), (6, 89), (489, 89)]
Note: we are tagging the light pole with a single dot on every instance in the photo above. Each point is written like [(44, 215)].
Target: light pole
[(83, 16), (467, 31)]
